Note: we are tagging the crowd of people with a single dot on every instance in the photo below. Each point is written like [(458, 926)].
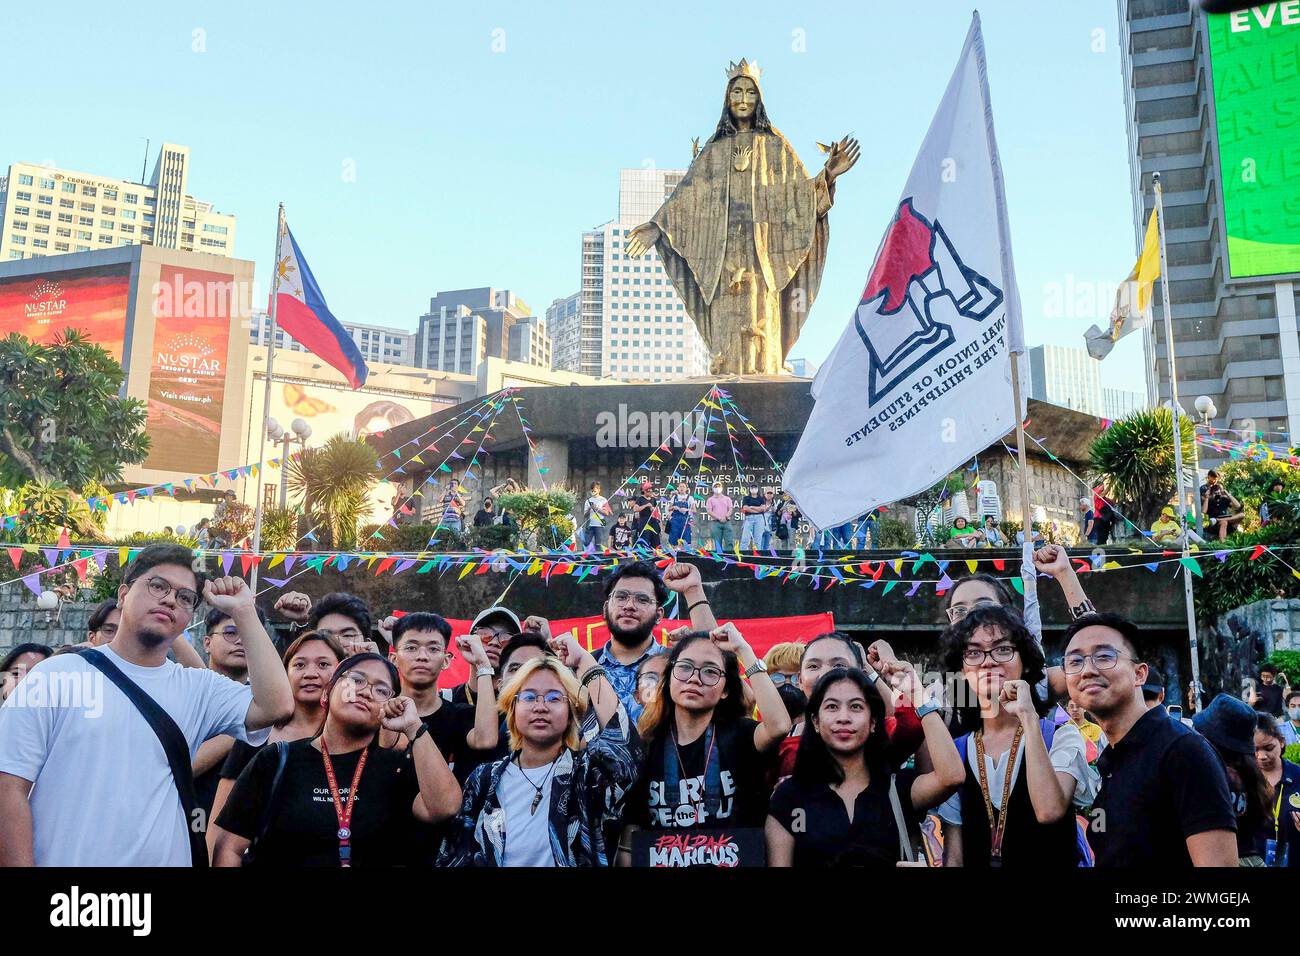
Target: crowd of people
[(325, 739)]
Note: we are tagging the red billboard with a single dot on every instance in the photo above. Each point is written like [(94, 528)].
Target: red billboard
[(192, 310), (93, 300)]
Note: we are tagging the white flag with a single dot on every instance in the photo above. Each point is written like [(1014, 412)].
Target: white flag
[(920, 380)]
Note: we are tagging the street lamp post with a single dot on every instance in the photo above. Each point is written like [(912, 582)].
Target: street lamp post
[(299, 432), (1206, 408)]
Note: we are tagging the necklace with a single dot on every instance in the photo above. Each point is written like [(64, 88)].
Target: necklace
[(537, 800), (344, 814), (998, 829)]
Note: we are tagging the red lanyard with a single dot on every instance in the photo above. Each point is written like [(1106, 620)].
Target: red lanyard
[(344, 813)]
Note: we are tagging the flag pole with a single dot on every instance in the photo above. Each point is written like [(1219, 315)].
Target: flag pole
[(1176, 417), (1027, 573), (266, 401)]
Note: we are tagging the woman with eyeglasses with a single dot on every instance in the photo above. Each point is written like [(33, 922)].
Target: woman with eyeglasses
[(705, 760), (309, 661), (548, 803), (339, 798), (1024, 772)]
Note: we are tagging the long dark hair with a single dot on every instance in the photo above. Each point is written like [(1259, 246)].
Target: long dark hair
[(727, 125), (1245, 777), (661, 715), (813, 762), (1033, 666)]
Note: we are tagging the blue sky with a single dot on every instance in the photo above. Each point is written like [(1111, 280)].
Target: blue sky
[(485, 137)]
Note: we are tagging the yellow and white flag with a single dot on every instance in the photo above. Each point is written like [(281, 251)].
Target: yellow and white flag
[(1133, 300)]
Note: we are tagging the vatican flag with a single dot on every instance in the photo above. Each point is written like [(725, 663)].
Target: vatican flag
[(1133, 300)]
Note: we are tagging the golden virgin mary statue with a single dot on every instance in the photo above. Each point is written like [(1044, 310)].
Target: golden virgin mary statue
[(743, 236)]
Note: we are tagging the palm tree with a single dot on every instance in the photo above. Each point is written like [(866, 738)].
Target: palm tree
[(1134, 462), (333, 483)]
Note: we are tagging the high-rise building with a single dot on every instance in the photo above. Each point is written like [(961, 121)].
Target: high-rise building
[(1065, 375), (632, 325), (465, 326), (377, 343), (1235, 336), (802, 368), (1121, 402), (47, 212), (564, 325)]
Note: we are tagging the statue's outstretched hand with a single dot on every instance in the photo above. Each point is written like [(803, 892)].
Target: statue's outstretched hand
[(843, 156), (640, 239)]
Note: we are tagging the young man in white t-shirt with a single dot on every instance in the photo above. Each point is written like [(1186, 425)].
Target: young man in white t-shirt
[(84, 780)]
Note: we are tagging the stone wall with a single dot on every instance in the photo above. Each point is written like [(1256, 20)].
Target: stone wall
[(22, 621), (1239, 641)]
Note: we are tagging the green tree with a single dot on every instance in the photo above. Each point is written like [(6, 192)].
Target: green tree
[(1248, 480), (47, 507), (545, 518), (1134, 462), (63, 421), (333, 484)]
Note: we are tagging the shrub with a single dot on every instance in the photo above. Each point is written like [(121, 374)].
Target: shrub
[(1288, 662), (893, 533), (545, 518), (279, 529)]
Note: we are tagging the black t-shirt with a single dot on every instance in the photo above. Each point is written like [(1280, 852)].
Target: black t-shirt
[(815, 816), (1270, 699), (448, 727), (240, 756), (205, 787), (303, 825), (641, 517), (752, 501), (740, 778), (1160, 784)]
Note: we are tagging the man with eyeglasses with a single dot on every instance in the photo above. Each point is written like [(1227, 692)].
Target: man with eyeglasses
[(634, 598), (494, 627), (83, 778), (102, 626), (1164, 798)]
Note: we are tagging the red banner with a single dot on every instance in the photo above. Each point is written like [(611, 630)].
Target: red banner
[(592, 633)]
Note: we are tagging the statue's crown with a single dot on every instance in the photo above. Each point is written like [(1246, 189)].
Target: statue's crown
[(743, 68)]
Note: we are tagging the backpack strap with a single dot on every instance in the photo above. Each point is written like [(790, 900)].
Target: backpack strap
[(174, 746), (281, 758), (904, 842)]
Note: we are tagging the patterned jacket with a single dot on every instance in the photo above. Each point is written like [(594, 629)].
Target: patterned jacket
[(587, 791)]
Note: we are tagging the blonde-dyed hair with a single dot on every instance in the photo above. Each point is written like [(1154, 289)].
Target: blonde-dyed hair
[(784, 657), (572, 690)]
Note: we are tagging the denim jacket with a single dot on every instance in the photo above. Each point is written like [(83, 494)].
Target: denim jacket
[(587, 791)]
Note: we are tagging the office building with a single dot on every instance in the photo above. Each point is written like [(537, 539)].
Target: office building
[(1234, 317), (46, 211), (1067, 376), (564, 325), (632, 326), (802, 368), (377, 343), (464, 327), (1121, 402)]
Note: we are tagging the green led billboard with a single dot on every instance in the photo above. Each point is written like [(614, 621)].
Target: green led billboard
[(1255, 64)]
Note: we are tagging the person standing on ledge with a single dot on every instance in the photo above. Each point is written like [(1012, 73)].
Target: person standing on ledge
[(743, 236)]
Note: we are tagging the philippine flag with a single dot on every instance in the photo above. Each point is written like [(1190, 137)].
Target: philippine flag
[(301, 311)]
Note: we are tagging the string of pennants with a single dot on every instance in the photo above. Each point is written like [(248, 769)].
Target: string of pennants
[(167, 489), (847, 570), (1257, 450)]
